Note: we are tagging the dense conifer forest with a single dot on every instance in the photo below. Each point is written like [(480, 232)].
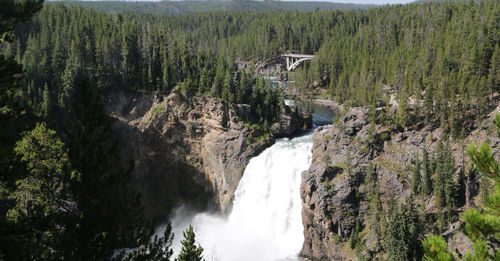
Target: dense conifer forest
[(186, 7), (62, 195), (447, 54)]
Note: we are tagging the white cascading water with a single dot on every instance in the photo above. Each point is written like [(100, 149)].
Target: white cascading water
[(265, 223)]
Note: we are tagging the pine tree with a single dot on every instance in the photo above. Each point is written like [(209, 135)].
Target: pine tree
[(427, 181), (439, 180), (68, 79), (354, 237), (217, 84), (204, 84), (393, 232), (433, 162), (494, 75), (227, 87), (435, 249), (160, 249), (102, 188), (416, 178), (189, 251), (42, 196), (451, 187), (412, 229), (485, 225), (375, 220), (403, 231), (11, 72), (15, 12), (404, 112), (47, 101), (11, 13)]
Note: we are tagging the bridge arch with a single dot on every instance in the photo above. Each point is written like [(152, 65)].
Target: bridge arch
[(293, 60)]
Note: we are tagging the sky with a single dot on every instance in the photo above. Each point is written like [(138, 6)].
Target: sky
[(378, 2)]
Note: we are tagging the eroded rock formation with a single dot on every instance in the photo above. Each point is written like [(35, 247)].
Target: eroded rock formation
[(189, 150), (334, 195)]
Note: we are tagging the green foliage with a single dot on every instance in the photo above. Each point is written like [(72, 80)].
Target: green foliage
[(189, 251), (435, 249), (484, 160), (330, 188), (159, 109), (403, 232), (482, 225), (337, 239), (356, 237), (135, 52), (42, 196), (376, 220), (15, 12), (480, 252), (496, 122), (69, 203), (426, 168), (48, 168), (11, 14), (102, 190), (356, 58), (410, 49), (47, 101), (160, 249), (416, 178), (12, 172), (445, 188), (485, 223), (449, 50), (187, 7)]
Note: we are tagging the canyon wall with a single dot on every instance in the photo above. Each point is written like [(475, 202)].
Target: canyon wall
[(334, 193), (190, 151)]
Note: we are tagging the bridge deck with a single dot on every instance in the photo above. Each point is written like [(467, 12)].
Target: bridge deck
[(297, 55)]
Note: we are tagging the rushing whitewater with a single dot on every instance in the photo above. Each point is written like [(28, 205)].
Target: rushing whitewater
[(265, 223)]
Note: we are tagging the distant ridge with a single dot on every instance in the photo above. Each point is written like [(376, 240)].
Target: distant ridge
[(436, 1), (186, 7)]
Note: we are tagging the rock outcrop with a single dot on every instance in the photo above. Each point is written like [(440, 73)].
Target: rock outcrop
[(188, 150), (333, 192)]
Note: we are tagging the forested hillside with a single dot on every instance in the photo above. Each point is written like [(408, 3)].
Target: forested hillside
[(443, 53), (446, 54), (429, 67), (186, 7), (136, 52)]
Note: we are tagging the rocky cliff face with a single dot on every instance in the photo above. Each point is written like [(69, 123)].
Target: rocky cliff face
[(332, 190), (188, 150)]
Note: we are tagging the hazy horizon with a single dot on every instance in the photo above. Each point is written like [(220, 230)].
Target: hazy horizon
[(376, 2)]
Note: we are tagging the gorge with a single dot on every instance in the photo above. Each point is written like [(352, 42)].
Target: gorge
[(265, 222), (119, 121), (198, 148)]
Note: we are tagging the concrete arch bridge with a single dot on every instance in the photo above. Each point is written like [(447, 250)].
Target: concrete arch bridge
[(293, 60)]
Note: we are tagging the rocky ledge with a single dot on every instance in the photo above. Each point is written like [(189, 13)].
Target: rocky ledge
[(190, 150), (333, 192)]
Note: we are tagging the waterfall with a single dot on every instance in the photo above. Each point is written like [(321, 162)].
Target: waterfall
[(265, 222)]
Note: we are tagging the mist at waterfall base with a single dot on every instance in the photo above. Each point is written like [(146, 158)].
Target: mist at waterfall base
[(265, 222)]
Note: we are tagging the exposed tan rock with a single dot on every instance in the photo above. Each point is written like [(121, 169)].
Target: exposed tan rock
[(188, 150)]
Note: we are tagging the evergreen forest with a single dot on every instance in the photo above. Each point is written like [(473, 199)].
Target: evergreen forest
[(62, 193)]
